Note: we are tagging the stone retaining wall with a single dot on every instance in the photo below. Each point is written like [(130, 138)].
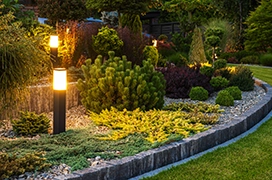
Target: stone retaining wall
[(143, 162), (40, 100)]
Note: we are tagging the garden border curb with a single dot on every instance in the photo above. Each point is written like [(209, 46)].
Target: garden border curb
[(132, 166)]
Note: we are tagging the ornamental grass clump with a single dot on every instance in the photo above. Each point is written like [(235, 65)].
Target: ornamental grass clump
[(115, 83)]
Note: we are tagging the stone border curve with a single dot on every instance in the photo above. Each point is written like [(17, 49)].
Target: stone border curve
[(132, 166)]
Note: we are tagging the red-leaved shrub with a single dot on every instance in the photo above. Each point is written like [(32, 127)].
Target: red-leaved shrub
[(180, 80)]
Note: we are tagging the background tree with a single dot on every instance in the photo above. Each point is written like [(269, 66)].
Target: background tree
[(197, 52), (236, 11), (259, 32), (227, 36), (213, 36), (63, 10), (121, 6), (191, 13), (132, 21)]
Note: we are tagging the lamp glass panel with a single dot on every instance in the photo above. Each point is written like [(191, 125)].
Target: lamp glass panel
[(54, 41), (59, 79)]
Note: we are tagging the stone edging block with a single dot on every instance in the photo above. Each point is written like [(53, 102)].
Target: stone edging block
[(143, 162)]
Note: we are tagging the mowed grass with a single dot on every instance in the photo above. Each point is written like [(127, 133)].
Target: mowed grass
[(247, 159)]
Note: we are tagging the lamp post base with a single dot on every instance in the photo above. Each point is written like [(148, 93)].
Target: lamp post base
[(59, 111)]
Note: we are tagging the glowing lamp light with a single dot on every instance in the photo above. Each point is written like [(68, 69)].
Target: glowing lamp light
[(59, 79), (155, 43), (54, 41)]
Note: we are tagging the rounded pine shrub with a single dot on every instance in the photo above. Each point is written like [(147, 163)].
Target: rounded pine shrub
[(207, 70), (224, 98), (235, 92), (31, 124), (243, 78), (219, 82), (115, 83), (266, 60), (220, 63), (198, 93)]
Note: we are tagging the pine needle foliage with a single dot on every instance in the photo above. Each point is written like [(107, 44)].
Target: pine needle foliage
[(197, 53), (154, 125), (15, 165), (116, 83), (31, 124)]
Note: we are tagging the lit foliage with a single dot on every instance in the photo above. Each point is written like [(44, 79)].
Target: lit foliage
[(155, 125), (107, 40), (151, 52), (22, 60), (116, 83)]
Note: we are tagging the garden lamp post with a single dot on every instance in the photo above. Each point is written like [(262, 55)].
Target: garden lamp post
[(59, 106), (54, 43)]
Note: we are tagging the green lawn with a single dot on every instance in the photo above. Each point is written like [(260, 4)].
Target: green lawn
[(248, 158)]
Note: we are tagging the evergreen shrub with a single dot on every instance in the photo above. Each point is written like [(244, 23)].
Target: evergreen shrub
[(155, 125), (180, 80), (107, 40), (220, 63), (162, 37), (178, 59), (219, 82), (207, 70), (223, 72), (266, 60), (14, 165), (116, 83), (243, 78), (198, 93), (31, 124), (241, 54), (235, 92), (151, 52), (253, 59), (224, 98)]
